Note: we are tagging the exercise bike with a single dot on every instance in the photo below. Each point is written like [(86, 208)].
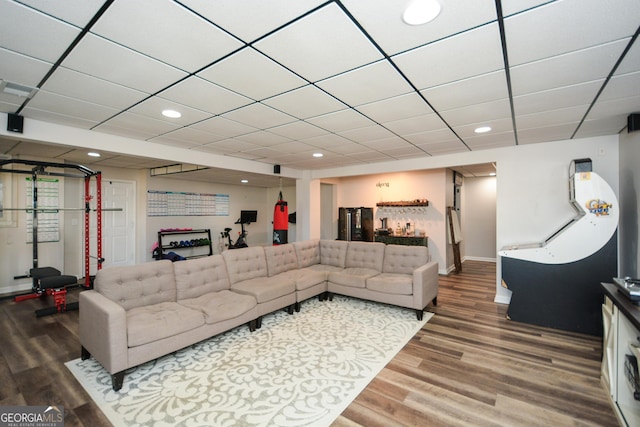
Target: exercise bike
[(240, 242), (246, 217)]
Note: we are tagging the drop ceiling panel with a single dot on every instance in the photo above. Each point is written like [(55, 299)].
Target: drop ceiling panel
[(511, 7), (91, 89), (479, 113), (416, 124), (224, 127), (22, 69), (553, 117), (54, 117), (204, 95), (189, 135), (157, 29), (106, 60), (396, 108), (631, 61), (306, 102), (576, 67), (603, 126), (153, 107), (474, 90), (141, 126), (383, 20), (621, 86), (444, 135), (32, 33), (295, 148), (252, 74), (546, 133), (565, 26), (320, 45), (567, 96), (251, 19), (476, 52), (369, 133), (48, 101), (263, 138), (76, 12), (259, 116), (341, 121), (367, 84), (298, 130)]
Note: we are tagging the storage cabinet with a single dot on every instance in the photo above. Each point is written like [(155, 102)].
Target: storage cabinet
[(186, 243), (621, 320), (402, 240)]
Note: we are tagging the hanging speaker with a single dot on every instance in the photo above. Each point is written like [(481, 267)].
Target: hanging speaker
[(15, 123), (276, 169), (633, 122)]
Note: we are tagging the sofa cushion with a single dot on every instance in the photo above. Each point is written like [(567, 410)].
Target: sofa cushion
[(365, 255), (333, 252), (266, 288), (200, 276), (391, 283), (307, 252), (305, 278), (355, 277), (245, 263), (280, 258), (138, 285), (404, 259), (221, 305), (156, 321)]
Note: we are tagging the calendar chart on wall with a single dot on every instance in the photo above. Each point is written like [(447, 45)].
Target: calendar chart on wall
[(178, 203)]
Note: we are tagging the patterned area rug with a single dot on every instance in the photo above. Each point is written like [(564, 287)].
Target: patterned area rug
[(297, 370)]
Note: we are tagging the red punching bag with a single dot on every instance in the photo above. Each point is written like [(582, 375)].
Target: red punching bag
[(280, 222)]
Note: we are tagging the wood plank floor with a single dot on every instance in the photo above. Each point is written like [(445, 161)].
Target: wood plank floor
[(467, 366)]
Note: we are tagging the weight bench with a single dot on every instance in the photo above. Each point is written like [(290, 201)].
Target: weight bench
[(49, 281)]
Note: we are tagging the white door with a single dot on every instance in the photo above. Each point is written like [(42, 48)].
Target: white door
[(118, 226)]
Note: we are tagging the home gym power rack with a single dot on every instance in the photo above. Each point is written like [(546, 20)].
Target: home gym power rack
[(57, 283)]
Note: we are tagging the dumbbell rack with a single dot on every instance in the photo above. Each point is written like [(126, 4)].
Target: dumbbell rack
[(181, 240)]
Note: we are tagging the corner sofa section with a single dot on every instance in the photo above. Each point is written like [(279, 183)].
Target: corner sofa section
[(138, 313)]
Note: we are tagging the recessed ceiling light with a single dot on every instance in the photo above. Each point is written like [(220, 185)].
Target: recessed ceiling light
[(244, 181), (421, 11), (482, 129), (492, 174), (172, 114), (318, 155), (93, 154)]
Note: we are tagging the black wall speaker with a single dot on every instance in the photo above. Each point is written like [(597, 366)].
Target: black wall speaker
[(633, 122), (276, 168), (15, 123)]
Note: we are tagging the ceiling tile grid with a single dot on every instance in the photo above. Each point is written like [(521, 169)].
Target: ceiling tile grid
[(275, 81)]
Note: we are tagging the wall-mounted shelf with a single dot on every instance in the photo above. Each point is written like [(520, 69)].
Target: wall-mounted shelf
[(197, 241), (403, 203)]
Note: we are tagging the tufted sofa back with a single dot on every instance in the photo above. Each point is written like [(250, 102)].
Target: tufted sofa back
[(199, 276), (404, 259), (245, 263), (365, 255), (139, 285), (307, 252), (333, 252), (280, 258)]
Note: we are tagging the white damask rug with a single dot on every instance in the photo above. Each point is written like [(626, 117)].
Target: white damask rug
[(297, 370)]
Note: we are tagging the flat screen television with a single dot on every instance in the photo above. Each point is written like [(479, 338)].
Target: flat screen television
[(247, 217)]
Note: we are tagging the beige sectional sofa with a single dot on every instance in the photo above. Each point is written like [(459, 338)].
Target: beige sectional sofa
[(138, 313)]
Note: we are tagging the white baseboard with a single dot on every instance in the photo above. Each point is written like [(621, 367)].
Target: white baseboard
[(474, 258)]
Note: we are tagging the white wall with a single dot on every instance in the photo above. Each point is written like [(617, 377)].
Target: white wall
[(368, 190), (533, 189), (478, 218), (628, 233)]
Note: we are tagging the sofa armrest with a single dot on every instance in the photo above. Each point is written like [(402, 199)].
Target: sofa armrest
[(103, 330), (425, 284)]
